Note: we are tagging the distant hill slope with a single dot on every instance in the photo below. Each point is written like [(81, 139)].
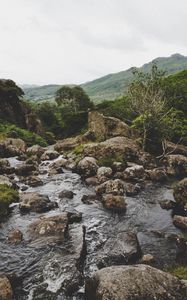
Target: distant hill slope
[(113, 85)]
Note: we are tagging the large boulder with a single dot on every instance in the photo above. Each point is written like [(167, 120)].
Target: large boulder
[(12, 147), (105, 127), (5, 167), (180, 194), (138, 282), (87, 166), (121, 249), (36, 202), (117, 148), (49, 229), (114, 203), (6, 292), (176, 165), (115, 187)]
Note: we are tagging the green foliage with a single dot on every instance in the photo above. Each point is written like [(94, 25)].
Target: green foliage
[(74, 97), (29, 137), (179, 271), (9, 91), (7, 196)]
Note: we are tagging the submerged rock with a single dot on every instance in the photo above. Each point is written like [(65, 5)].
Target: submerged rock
[(49, 229), (6, 292), (139, 282), (49, 155), (66, 194), (121, 249), (15, 236), (33, 201)]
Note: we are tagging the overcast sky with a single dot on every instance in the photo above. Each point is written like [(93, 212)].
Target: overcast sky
[(73, 41)]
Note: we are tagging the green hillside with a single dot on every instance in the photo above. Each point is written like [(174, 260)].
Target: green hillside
[(113, 85)]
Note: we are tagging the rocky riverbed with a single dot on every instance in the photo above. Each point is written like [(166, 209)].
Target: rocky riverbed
[(79, 222)]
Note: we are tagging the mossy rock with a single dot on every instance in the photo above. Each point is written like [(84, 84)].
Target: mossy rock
[(180, 272), (7, 196)]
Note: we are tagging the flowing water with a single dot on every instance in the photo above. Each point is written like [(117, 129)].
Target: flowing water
[(42, 269)]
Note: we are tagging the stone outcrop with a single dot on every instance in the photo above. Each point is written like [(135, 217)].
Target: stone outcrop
[(106, 127), (87, 166), (12, 147), (139, 282)]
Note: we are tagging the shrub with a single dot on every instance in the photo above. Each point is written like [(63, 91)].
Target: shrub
[(7, 196)]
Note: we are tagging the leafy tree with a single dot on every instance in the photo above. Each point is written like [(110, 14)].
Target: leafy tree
[(147, 100), (9, 91), (74, 97)]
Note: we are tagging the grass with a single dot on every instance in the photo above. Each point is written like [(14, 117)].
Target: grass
[(108, 161), (179, 271), (7, 196), (29, 137)]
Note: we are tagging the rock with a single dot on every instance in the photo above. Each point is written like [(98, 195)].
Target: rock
[(12, 147), (118, 166), (115, 203), (87, 167), (181, 257), (25, 169), (103, 174), (33, 181), (180, 194), (176, 165), (180, 222), (121, 249), (157, 175), (138, 282), (92, 181), (89, 199), (167, 204), (6, 292), (134, 173), (49, 229), (15, 236), (132, 189), (55, 171), (35, 150), (60, 163), (105, 127), (176, 148), (32, 201), (66, 194), (74, 216), (5, 167), (49, 155), (147, 259), (115, 187), (115, 148)]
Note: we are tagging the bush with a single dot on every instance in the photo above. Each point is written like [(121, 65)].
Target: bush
[(7, 196)]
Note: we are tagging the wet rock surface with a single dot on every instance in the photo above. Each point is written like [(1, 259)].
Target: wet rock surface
[(6, 292), (35, 202), (134, 282)]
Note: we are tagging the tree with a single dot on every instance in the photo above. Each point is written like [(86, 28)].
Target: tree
[(147, 100), (9, 91), (74, 97)]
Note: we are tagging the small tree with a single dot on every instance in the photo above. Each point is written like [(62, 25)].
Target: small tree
[(74, 97), (147, 100)]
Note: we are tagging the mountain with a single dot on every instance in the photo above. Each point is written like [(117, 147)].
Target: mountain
[(113, 85)]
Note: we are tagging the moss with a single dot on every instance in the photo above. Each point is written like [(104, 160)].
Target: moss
[(179, 271), (7, 196), (108, 161), (79, 149)]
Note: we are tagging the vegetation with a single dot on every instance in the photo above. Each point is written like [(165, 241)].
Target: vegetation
[(30, 138), (7, 196), (111, 86), (179, 271)]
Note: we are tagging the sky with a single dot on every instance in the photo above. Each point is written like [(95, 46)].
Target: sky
[(75, 41)]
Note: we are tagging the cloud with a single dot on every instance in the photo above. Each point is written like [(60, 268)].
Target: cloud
[(74, 41)]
